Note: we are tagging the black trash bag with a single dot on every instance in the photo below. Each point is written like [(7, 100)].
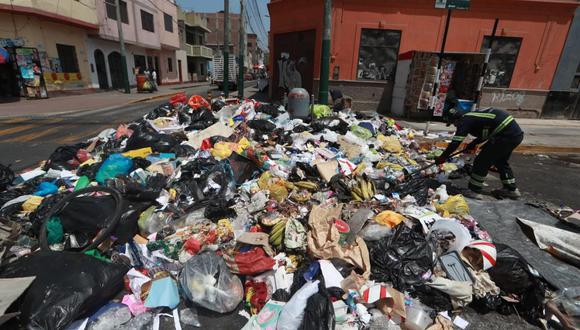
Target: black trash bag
[(417, 187), (6, 177), (319, 312), (334, 124), (487, 304), (163, 110), (200, 120), (219, 209), (401, 258), (262, 126), (243, 168), (304, 171), (512, 275), (340, 187), (139, 162), (281, 295), (64, 157), (146, 136), (68, 286), (217, 105), (89, 171), (436, 299), (301, 128), (75, 218), (269, 109)]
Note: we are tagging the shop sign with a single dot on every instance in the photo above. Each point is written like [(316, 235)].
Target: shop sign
[(16, 42), (453, 4)]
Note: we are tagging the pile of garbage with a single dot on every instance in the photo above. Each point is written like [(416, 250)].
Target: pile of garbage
[(238, 207)]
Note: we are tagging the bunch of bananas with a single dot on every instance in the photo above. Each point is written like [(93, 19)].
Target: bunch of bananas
[(308, 185), (277, 233), (363, 189)]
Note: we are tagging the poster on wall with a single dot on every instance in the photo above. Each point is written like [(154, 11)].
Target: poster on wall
[(445, 79), (30, 69)]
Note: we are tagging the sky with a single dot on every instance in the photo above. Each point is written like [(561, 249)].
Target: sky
[(210, 6)]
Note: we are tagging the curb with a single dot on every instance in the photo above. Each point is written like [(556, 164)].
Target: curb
[(530, 148), (151, 98)]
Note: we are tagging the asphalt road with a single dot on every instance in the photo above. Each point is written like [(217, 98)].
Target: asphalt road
[(25, 141)]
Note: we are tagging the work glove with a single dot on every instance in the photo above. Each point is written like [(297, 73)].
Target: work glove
[(440, 160), (470, 148)]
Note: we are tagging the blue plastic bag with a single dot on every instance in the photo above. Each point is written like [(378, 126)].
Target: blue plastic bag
[(114, 165), (46, 188)]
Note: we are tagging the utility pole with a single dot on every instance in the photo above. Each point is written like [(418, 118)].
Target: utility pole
[(325, 58), (435, 91), (242, 51), (226, 47), (122, 46)]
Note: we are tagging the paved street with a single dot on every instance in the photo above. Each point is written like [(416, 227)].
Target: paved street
[(24, 141)]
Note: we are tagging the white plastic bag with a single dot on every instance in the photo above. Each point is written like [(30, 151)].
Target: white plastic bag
[(207, 281), (293, 312)]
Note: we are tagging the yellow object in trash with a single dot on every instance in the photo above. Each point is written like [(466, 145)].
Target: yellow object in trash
[(389, 218), (142, 153), (32, 203), (390, 143), (455, 205), (221, 150)]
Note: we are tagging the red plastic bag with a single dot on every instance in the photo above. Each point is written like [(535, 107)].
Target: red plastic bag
[(197, 102), (252, 262), (178, 98)]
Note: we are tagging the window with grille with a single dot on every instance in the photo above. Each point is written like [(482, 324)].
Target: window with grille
[(112, 12), (502, 62), (378, 52), (68, 58), (168, 19), (147, 21)]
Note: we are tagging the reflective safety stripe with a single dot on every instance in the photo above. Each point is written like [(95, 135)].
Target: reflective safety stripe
[(509, 181), (481, 115), (458, 138), (485, 133), (501, 126), (477, 177), (476, 183)]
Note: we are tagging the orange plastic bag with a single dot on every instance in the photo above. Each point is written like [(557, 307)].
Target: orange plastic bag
[(197, 102)]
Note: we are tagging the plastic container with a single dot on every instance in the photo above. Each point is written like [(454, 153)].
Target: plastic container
[(299, 103), (417, 318)]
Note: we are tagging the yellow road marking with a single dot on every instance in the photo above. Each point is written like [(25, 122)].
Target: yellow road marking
[(33, 136), (16, 129), (77, 137), (14, 120)]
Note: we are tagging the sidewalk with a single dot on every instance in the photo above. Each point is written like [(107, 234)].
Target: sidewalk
[(93, 101), (541, 135)]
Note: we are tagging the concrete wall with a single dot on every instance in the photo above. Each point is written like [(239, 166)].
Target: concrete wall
[(543, 25), (44, 34), (107, 47), (75, 11), (570, 57), (168, 39), (520, 102), (182, 56), (108, 27)]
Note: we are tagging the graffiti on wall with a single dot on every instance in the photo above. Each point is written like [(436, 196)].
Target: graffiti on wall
[(508, 97)]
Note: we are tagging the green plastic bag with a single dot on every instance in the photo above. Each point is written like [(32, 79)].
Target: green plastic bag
[(321, 111)]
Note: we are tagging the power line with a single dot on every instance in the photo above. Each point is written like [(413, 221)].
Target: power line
[(258, 17)]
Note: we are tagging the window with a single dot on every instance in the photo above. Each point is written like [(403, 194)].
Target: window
[(576, 81), (140, 62), (168, 22), (147, 21), (68, 58), (112, 12), (378, 52), (169, 64), (504, 53), (189, 37)]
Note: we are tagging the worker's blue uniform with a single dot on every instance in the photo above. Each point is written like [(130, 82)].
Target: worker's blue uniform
[(503, 135)]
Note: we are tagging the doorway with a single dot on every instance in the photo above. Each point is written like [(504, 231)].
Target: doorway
[(116, 70), (101, 69), (158, 69), (179, 70)]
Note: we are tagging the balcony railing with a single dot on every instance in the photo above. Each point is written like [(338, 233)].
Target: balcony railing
[(199, 51)]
